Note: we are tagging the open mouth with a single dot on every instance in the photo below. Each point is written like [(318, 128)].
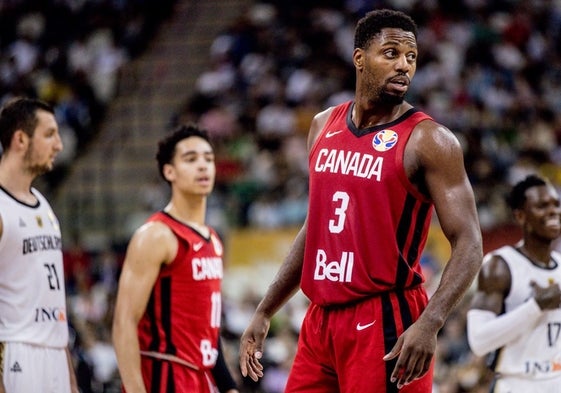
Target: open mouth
[(554, 222), (400, 83)]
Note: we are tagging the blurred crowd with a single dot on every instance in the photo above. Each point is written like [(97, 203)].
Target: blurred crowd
[(70, 53), (489, 70)]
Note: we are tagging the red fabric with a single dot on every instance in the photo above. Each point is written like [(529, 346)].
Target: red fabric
[(367, 224), (340, 350), (182, 317)]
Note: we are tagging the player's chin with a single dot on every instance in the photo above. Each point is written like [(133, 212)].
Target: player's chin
[(39, 170), (392, 98)]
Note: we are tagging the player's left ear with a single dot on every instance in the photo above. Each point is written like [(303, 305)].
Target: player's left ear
[(358, 58), (20, 139), (519, 216), (169, 172)]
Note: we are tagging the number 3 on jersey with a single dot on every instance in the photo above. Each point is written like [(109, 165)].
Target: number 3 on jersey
[(341, 200)]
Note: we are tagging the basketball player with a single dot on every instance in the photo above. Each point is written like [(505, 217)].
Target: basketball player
[(378, 166), (168, 309), (34, 352), (515, 314)]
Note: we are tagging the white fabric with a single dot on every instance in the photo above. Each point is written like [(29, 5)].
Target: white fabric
[(513, 384), (528, 339), (30, 368), (488, 332), (32, 293)]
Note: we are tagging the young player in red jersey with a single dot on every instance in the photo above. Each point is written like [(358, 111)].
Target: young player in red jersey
[(378, 168), (167, 315)]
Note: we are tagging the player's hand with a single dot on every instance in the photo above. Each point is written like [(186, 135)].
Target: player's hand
[(548, 298), (414, 350), (251, 347)]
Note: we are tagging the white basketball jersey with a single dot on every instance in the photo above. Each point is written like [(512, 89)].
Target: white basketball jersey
[(535, 354), (32, 293)]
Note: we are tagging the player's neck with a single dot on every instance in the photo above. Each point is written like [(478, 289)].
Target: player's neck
[(16, 183), (365, 115), (190, 214), (540, 256)]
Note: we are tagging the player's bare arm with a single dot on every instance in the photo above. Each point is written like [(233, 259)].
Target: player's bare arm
[(318, 122), (73, 381), (493, 285), (436, 155), (152, 245), (283, 287)]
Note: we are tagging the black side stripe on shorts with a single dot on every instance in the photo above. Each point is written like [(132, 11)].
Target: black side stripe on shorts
[(390, 337), (390, 329), (171, 380), (409, 223), (156, 376)]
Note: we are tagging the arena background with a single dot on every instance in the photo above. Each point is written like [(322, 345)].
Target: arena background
[(121, 73)]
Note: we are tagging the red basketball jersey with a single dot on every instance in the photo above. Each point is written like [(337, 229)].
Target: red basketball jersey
[(367, 224), (182, 317)]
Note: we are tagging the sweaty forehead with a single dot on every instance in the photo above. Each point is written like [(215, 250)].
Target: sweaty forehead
[(395, 36)]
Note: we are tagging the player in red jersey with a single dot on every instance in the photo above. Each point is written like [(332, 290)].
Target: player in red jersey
[(167, 314), (378, 168)]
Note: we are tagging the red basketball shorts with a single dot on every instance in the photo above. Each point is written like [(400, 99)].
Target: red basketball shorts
[(162, 376), (340, 349)]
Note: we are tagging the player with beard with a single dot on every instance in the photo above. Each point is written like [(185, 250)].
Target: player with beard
[(378, 168), (34, 354)]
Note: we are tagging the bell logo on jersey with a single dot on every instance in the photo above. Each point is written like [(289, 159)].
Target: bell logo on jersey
[(337, 271), (209, 354), (384, 140)]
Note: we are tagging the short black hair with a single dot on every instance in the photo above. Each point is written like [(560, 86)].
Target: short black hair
[(20, 113), (166, 146), (517, 196), (374, 21)]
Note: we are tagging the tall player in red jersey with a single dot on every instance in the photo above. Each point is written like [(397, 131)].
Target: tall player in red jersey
[(378, 168), (167, 315)]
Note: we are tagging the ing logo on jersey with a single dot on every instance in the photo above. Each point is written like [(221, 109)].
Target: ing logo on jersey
[(384, 140)]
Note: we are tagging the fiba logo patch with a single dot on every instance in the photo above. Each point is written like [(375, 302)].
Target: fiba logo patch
[(384, 140)]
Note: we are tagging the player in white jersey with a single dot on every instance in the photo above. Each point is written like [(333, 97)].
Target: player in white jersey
[(34, 354), (516, 314)]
